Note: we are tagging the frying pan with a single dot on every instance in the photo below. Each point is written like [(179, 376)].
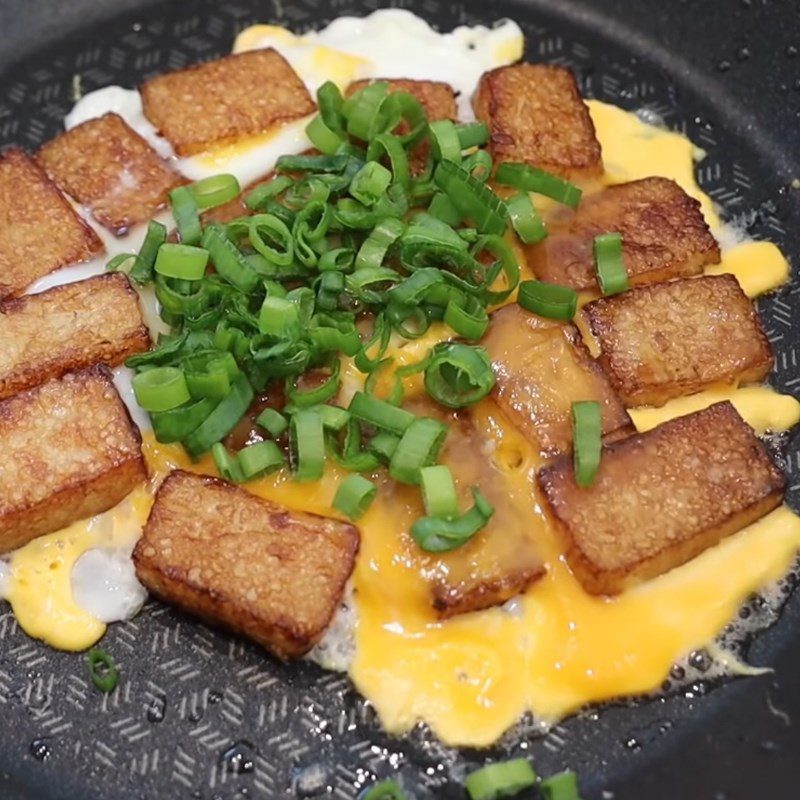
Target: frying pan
[(203, 715)]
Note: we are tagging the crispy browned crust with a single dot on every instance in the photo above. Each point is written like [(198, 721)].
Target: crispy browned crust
[(660, 498), (542, 368), (70, 451), (536, 115), (437, 98), (39, 230), (270, 573), (221, 101), (107, 166), (670, 339), (663, 232), (502, 559), (67, 328)]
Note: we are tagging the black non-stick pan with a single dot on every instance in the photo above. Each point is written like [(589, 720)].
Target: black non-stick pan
[(203, 715)]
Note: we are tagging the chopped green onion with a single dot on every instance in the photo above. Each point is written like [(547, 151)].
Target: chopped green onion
[(181, 261), (330, 102), (525, 219), (222, 420), (308, 445), (271, 237), (472, 134), (214, 191), (304, 398), (262, 194), (334, 418), (273, 422), (438, 491), (611, 274), (362, 111), (142, 270), (354, 496), (227, 464), (340, 259), (383, 790), (160, 388), (439, 535), (418, 447), (548, 299), (308, 163), (473, 199), (442, 208), (279, 317), (370, 183), (383, 445), (381, 414), (458, 375), (390, 146), (102, 670), (561, 786), (184, 209), (531, 179), (177, 423), (373, 251), (229, 261), (468, 318), (259, 458), (322, 137), (500, 780), (445, 141), (586, 440)]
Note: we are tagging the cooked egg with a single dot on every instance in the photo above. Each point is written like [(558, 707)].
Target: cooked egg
[(470, 678)]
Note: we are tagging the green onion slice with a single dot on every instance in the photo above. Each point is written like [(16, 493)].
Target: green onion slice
[(102, 670), (500, 780), (227, 464), (383, 445), (322, 137), (439, 535), (370, 183), (304, 398), (229, 261), (611, 274), (468, 318), (586, 440), (354, 496), (214, 191), (531, 179), (383, 790), (561, 786), (418, 447), (187, 218), (259, 458), (308, 445), (383, 236), (161, 388), (473, 199), (391, 146), (438, 491), (458, 374), (222, 420), (380, 414), (257, 199), (178, 423), (525, 219), (548, 299), (181, 261), (445, 141), (273, 422), (472, 134)]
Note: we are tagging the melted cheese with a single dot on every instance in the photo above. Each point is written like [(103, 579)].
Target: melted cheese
[(469, 678)]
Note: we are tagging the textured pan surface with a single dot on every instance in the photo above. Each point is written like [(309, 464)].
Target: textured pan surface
[(189, 694)]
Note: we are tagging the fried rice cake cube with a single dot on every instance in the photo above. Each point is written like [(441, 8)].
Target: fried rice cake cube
[(670, 339), (270, 573), (502, 560), (70, 451), (437, 98), (105, 165), (39, 229), (542, 367), (536, 116), (67, 328), (664, 235), (661, 498), (219, 102)]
